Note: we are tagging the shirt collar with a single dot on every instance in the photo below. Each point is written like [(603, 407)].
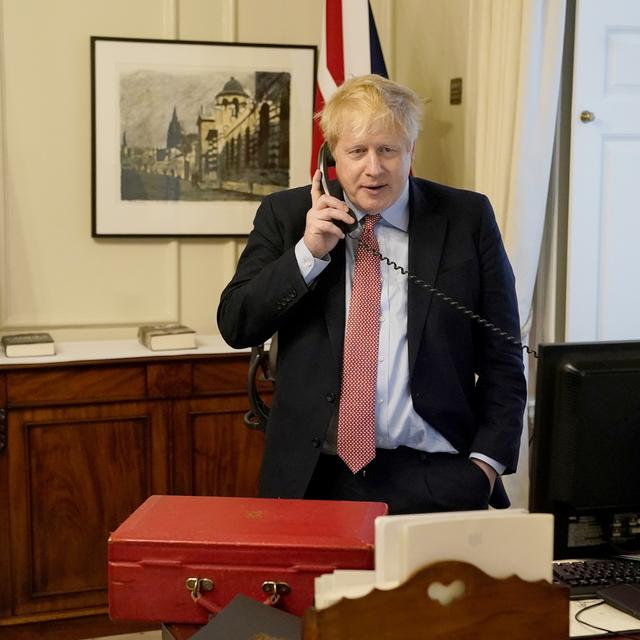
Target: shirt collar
[(396, 215)]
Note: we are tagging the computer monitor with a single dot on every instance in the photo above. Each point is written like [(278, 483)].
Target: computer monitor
[(585, 450)]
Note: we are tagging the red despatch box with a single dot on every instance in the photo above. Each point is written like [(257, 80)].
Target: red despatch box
[(181, 558)]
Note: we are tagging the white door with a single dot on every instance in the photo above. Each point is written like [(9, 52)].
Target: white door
[(603, 262)]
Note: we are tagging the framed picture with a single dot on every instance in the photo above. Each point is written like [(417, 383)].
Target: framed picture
[(188, 137)]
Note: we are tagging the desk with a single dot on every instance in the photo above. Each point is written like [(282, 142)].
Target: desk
[(485, 608), (185, 631), (179, 631)]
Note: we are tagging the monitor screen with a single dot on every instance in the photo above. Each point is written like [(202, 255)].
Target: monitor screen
[(585, 450)]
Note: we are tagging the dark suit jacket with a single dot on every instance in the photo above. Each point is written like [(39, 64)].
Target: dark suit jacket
[(465, 380)]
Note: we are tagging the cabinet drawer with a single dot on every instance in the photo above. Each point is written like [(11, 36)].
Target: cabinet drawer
[(225, 375), (77, 384)]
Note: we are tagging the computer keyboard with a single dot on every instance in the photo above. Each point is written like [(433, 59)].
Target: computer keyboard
[(583, 577)]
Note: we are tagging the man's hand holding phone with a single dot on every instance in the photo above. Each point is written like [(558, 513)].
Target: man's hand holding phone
[(321, 233)]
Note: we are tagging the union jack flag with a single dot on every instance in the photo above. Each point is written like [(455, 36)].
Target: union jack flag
[(349, 47)]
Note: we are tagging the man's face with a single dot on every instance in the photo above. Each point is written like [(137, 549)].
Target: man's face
[(372, 167)]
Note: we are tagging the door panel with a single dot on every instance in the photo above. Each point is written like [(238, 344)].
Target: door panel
[(87, 469), (603, 263), (215, 454)]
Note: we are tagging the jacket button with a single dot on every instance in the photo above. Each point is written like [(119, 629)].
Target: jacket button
[(331, 397), (316, 442)]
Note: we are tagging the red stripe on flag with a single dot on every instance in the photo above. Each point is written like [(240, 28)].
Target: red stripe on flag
[(333, 35), (317, 138)]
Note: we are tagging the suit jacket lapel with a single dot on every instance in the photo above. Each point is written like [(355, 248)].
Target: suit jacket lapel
[(427, 231)]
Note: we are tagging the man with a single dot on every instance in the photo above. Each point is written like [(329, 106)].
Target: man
[(431, 413)]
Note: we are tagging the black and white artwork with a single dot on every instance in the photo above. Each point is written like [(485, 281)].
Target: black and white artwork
[(204, 136), (188, 137)]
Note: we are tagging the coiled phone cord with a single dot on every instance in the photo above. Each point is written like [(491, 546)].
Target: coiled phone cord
[(449, 300)]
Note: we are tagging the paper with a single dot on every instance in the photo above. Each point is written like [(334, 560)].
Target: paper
[(602, 616), (499, 544), (342, 583), (389, 537)]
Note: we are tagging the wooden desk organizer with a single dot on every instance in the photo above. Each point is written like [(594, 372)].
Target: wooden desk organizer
[(488, 609)]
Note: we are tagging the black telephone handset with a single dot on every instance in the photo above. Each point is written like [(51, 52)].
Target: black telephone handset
[(325, 160)]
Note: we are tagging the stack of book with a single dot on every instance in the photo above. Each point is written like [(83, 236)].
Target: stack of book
[(28, 344), (168, 336)]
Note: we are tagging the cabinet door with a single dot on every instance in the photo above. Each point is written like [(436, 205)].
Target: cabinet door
[(215, 454), (75, 473)]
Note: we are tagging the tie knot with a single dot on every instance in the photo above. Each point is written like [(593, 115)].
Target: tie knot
[(371, 220)]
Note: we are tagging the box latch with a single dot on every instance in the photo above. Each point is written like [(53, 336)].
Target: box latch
[(275, 590)]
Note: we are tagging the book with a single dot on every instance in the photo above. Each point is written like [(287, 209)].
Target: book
[(28, 344), (604, 616), (244, 619), (162, 337)]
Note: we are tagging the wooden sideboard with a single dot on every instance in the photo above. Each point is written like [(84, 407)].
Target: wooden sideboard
[(84, 443)]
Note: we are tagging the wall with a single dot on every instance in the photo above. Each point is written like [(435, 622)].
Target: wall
[(54, 275), (431, 47)]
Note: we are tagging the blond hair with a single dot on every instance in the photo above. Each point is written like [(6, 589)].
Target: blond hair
[(369, 102)]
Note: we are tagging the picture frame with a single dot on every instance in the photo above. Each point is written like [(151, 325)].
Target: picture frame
[(189, 136)]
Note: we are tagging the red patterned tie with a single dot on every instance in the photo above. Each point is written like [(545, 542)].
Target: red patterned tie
[(357, 412)]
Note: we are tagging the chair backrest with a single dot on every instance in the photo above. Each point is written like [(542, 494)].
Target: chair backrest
[(262, 360)]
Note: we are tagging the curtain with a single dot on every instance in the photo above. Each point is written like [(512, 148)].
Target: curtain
[(515, 82)]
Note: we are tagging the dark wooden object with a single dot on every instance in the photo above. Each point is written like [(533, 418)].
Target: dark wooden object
[(85, 444), (488, 609)]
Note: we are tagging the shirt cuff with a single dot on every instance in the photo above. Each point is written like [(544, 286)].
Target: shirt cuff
[(310, 266), (496, 466)]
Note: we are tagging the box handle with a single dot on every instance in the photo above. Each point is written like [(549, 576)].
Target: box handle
[(196, 586)]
